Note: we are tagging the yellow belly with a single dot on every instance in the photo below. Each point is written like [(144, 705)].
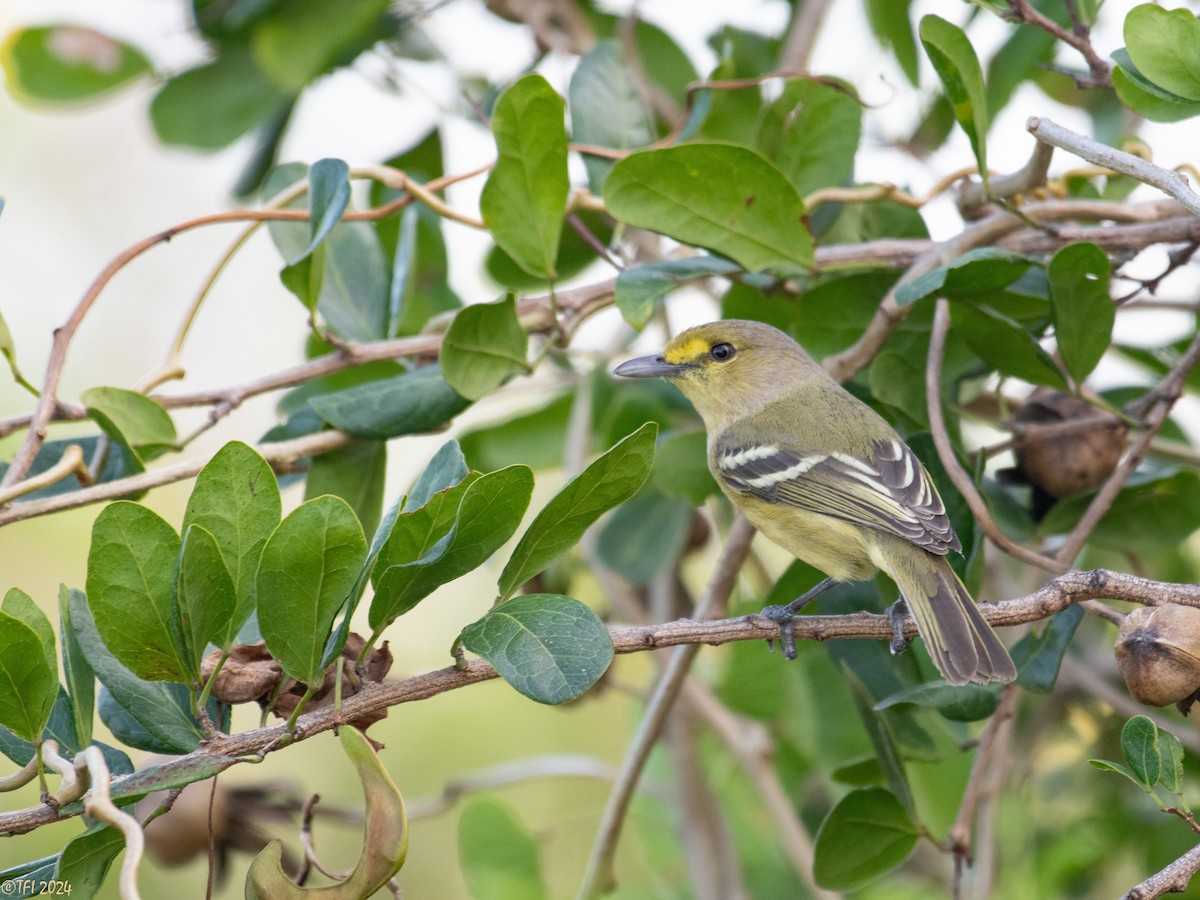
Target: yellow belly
[(835, 547)]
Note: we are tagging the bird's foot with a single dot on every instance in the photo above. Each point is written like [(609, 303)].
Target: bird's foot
[(896, 614), (782, 615)]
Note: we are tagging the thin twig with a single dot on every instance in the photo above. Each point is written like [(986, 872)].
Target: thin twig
[(1168, 181), (1077, 37), (599, 877), (70, 463), (941, 440)]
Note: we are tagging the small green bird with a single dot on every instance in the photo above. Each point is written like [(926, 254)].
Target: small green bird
[(827, 479)]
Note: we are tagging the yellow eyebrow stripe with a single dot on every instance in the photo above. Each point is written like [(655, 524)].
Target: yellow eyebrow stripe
[(686, 352)]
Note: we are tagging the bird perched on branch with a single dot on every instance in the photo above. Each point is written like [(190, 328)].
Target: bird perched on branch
[(826, 478)]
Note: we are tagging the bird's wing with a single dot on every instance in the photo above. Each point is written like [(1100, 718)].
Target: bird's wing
[(888, 489)]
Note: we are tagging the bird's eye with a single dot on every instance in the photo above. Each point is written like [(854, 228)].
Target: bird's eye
[(721, 352)]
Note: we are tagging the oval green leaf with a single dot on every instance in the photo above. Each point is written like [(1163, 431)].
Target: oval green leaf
[(525, 196), (142, 423), (65, 63), (484, 346), (1139, 744), (309, 566), (389, 407), (639, 289), (205, 594), (865, 836), (720, 196), (958, 68), (130, 585), (1084, 311), (1164, 44), (606, 108), (1005, 345), (28, 686), (549, 647), (611, 479)]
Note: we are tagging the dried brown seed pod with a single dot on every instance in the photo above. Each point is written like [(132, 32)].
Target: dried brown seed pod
[(1158, 653)]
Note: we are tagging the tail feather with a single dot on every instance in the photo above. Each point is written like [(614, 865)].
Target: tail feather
[(961, 643)]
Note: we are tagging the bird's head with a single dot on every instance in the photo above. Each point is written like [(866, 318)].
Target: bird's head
[(727, 365)]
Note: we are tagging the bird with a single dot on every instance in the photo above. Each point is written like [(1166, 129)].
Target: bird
[(825, 477)]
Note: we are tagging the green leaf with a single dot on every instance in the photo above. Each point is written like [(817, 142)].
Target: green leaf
[(328, 197), (525, 195), (606, 108), (640, 288), (130, 584), (535, 440), (719, 196), (205, 595), (356, 473), (491, 508), (309, 566), (1139, 743), (812, 132), (21, 606), (411, 403), (549, 647), (448, 467), (159, 710), (891, 23), (212, 105), (1145, 99), (85, 860), (77, 671), (865, 836), (1038, 656), (1084, 312), (958, 68), (142, 423), (611, 479), (1106, 765), (236, 499), (303, 39), (644, 536), (964, 703), (681, 468), (981, 271), (484, 346), (1170, 775), (28, 685), (1005, 345), (1165, 47), (499, 856), (420, 288), (67, 63), (880, 733)]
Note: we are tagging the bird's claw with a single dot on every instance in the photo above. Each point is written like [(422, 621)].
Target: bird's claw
[(896, 614), (787, 629)]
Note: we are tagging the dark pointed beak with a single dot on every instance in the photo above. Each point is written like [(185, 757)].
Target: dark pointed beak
[(649, 367)]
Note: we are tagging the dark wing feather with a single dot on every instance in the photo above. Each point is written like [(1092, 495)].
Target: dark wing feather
[(888, 490)]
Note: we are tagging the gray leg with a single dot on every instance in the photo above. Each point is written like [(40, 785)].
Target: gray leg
[(784, 616)]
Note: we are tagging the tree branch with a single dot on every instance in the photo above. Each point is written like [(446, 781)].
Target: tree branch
[(227, 750), (1174, 879)]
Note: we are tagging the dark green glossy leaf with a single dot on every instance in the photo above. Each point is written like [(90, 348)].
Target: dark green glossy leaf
[(1139, 743), (640, 289), (236, 499), (1005, 345), (1165, 47), (22, 607), (447, 467), (1084, 312), (67, 63), (309, 566), (130, 584), (962, 703), (85, 860), (719, 196), (980, 271), (356, 473), (159, 710), (205, 595), (1038, 656), (865, 836), (411, 403), (611, 479), (525, 195), (644, 536), (484, 346), (812, 132), (958, 68), (499, 855), (28, 685), (549, 647), (575, 254), (328, 197), (490, 511), (212, 105), (606, 108), (1170, 774)]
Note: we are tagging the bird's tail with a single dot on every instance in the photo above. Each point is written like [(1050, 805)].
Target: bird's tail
[(961, 643)]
